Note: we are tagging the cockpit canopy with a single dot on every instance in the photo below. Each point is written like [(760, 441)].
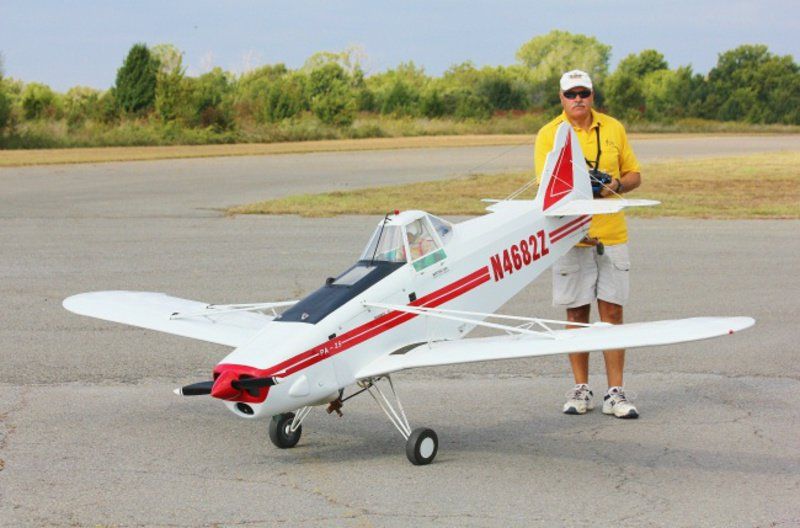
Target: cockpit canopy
[(411, 236)]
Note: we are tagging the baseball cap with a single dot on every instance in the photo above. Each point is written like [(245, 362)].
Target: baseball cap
[(574, 78)]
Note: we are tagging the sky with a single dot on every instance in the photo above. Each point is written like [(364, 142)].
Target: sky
[(69, 43)]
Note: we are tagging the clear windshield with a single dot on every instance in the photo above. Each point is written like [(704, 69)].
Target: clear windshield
[(423, 246), (444, 229), (386, 245), (420, 239)]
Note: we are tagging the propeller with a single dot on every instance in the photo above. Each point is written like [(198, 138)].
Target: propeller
[(254, 383), (195, 389), (203, 388)]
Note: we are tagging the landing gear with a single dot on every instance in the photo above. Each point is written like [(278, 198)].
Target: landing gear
[(285, 429), (422, 444)]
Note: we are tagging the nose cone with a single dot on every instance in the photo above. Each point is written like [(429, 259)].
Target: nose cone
[(223, 386), (226, 375)]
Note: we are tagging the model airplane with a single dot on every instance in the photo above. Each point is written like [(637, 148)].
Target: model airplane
[(418, 288)]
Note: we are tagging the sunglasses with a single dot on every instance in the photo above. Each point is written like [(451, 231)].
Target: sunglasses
[(573, 94)]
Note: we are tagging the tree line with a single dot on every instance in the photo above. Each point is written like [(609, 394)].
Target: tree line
[(748, 83)]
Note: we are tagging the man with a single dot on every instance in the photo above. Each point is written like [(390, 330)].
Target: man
[(591, 271)]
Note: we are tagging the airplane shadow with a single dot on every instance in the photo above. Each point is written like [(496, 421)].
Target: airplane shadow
[(539, 432)]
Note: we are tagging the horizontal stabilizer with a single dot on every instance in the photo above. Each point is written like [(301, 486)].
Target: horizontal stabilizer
[(596, 337), (155, 310), (580, 207)]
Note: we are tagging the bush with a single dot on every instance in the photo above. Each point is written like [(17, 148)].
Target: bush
[(210, 100), (332, 100), (80, 103), (5, 108), (500, 90), (39, 101), (286, 98)]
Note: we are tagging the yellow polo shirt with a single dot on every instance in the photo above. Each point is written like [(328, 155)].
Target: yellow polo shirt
[(616, 158)]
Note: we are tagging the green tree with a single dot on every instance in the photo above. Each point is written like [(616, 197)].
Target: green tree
[(549, 56), (170, 94), (640, 65), (136, 81), (624, 90), (750, 83), (332, 99)]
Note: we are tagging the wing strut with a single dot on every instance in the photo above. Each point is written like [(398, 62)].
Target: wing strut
[(455, 315)]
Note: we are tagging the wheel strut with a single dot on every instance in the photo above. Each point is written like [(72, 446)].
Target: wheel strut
[(422, 444)]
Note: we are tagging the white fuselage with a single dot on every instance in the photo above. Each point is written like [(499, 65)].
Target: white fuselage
[(489, 259)]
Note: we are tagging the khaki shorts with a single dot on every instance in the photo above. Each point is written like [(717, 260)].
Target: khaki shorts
[(582, 276)]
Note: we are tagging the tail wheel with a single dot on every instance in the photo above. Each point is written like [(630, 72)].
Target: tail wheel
[(280, 431), (421, 446)]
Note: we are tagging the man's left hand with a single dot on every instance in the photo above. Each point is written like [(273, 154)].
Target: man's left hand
[(612, 188)]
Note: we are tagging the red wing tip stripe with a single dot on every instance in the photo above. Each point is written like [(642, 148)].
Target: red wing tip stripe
[(570, 231)]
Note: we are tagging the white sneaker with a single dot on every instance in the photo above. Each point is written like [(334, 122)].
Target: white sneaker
[(616, 402), (579, 400)]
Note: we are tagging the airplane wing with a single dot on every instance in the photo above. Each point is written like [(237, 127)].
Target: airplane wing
[(224, 325), (580, 207), (595, 337)]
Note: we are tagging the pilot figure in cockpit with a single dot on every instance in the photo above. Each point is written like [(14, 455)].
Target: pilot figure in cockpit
[(419, 242)]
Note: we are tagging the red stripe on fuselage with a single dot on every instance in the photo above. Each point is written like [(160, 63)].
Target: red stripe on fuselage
[(555, 232), (571, 230), (384, 322), (368, 330)]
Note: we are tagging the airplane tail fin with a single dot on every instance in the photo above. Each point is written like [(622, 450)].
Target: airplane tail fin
[(564, 177), (566, 188)]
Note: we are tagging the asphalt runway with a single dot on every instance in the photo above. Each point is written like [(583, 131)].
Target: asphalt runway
[(91, 434)]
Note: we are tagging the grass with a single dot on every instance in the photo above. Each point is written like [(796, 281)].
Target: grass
[(54, 142), (17, 158), (752, 186)]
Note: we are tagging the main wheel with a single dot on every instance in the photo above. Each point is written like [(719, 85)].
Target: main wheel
[(280, 431), (421, 446)]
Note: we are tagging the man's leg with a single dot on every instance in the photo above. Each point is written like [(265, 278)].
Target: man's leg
[(580, 360), (615, 402), (574, 277), (615, 359)]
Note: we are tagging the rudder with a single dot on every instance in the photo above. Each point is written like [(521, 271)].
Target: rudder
[(564, 176)]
